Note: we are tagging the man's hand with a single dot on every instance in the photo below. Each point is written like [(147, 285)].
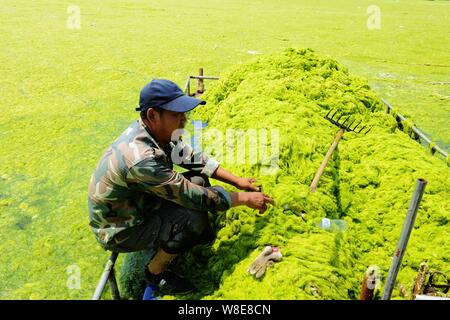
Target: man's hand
[(254, 200), (258, 200), (246, 184)]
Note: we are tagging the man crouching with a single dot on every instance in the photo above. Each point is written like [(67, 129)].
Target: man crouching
[(138, 202)]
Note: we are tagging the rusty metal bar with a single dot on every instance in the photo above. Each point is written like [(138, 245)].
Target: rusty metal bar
[(200, 83), (420, 280), (368, 286)]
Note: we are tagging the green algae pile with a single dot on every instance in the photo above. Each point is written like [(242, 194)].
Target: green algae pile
[(368, 183)]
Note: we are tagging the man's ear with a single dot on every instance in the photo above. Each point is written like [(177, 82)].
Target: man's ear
[(151, 114)]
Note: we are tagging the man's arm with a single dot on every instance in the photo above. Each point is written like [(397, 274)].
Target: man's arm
[(160, 180), (200, 162), (240, 183), (154, 176)]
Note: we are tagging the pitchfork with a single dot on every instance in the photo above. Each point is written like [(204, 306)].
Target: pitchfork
[(342, 128)]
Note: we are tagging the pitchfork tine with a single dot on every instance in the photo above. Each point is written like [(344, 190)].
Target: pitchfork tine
[(328, 113), (368, 130), (357, 125), (361, 129), (350, 125), (332, 116)]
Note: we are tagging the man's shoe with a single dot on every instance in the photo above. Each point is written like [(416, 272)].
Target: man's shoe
[(169, 283)]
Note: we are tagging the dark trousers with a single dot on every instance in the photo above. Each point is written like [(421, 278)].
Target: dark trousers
[(172, 227)]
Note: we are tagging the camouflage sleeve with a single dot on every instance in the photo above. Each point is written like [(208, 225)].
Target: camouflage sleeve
[(185, 156), (157, 178)]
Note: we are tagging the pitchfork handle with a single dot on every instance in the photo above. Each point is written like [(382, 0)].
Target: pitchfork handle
[(315, 182)]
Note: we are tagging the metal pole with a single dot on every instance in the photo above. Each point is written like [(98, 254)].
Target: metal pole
[(105, 276), (204, 77), (416, 130), (115, 295), (187, 88), (404, 237)]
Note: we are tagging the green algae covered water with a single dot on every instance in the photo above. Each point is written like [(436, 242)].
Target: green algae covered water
[(368, 184)]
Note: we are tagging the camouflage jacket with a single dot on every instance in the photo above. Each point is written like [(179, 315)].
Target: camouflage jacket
[(134, 175)]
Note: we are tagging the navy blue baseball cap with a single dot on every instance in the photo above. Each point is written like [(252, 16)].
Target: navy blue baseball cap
[(167, 95)]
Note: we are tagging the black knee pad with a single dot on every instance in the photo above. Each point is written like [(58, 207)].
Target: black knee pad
[(194, 232)]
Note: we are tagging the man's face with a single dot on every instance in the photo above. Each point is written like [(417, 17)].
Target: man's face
[(168, 122)]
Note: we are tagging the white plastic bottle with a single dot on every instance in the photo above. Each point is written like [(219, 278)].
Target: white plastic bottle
[(334, 225)]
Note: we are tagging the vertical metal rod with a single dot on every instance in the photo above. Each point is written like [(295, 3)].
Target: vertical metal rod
[(115, 295), (404, 237), (187, 87), (105, 276)]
